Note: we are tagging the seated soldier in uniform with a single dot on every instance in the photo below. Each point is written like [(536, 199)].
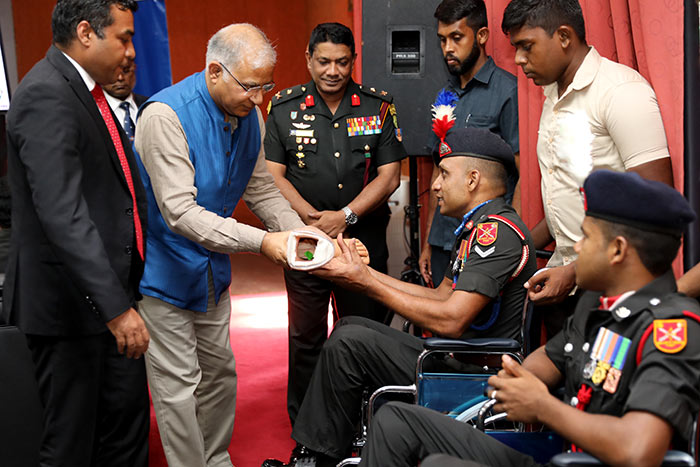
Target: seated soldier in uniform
[(628, 357), (482, 296)]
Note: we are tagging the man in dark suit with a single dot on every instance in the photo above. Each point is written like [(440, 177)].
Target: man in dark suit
[(123, 101), (76, 257)]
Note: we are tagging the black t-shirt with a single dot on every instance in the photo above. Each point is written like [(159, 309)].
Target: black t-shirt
[(491, 251), (666, 382)]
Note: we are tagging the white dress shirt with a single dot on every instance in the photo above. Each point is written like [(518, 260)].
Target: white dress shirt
[(118, 111)]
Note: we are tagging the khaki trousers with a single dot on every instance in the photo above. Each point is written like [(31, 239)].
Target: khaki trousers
[(192, 375)]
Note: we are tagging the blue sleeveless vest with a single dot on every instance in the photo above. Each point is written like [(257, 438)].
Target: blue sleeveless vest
[(176, 268)]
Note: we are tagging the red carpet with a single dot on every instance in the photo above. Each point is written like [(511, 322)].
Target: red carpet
[(259, 341)]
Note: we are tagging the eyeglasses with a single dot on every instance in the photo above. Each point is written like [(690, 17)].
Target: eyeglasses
[(250, 89)]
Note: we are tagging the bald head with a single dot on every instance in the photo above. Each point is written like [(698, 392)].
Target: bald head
[(241, 43)]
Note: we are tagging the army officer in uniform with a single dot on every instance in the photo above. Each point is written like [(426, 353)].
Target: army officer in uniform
[(628, 357), (333, 148)]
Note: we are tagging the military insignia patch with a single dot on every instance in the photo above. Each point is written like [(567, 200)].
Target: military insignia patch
[(392, 111), (670, 335), (302, 133), (484, 253), (445, 149), (269, 106), (362, 126), (486, 233), (293, 115)]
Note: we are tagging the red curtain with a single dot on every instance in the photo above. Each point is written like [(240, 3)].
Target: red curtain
[(646, 35)]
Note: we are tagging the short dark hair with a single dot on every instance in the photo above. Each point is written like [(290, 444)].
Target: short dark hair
[(331, 32), (67, 14), (451, 11), (656, 250), (494, 171), (545, 14)]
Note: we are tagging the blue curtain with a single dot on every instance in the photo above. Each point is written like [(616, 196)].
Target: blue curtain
[(152, 48)]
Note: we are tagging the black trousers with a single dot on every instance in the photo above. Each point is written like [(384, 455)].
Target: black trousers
[(360, 353), (308, 298), (443, 460), (403, 435), (96, 407)]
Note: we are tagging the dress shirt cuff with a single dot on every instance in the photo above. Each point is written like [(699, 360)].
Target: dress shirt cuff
[(251, 238)]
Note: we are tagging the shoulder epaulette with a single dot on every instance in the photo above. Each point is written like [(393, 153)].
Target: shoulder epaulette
[(287, 94), (383, 95), (671, 305)]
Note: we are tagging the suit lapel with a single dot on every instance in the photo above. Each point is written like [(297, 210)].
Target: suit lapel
[(75, 81)]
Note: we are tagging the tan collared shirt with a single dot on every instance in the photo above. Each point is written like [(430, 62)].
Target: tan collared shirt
[(162, 145), (608, 118)]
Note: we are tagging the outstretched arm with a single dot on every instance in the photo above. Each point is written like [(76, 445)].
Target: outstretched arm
[(439, 310)]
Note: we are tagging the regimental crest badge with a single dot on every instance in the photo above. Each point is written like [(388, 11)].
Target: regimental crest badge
[(486, 233), (670, 335), (445, 149)]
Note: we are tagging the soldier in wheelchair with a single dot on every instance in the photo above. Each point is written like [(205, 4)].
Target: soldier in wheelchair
[(482, 296), (629, 357)]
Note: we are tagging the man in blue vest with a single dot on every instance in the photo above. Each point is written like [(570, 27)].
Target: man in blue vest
[(199, 142)]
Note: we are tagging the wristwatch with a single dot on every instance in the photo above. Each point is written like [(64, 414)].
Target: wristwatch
[(350, 217)]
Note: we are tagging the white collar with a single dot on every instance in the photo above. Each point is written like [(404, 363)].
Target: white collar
[(620, 299), (87, 79), (114, 101)]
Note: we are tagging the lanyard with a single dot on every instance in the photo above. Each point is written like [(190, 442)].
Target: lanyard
[(468, 216), (462, 251)]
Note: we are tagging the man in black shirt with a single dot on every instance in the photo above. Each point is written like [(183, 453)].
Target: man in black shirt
[(628, 357), (487, 98), (482, 296)]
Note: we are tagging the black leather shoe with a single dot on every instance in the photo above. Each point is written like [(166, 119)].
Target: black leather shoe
[(301, 457), (307, 461)]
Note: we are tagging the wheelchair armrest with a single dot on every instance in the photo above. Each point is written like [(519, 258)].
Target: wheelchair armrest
[(493, 344), (576, 459), (678, 459)]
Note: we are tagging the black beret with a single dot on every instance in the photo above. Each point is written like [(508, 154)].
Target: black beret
[(475, 142), (627, 198)]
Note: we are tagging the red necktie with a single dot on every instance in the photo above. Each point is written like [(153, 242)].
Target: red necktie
[(116, 140)]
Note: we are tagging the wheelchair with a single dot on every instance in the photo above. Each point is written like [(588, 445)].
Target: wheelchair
[(547, 446), (451, 376)]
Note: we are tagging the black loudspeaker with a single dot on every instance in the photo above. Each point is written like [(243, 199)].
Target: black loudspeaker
[(401, 54)]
